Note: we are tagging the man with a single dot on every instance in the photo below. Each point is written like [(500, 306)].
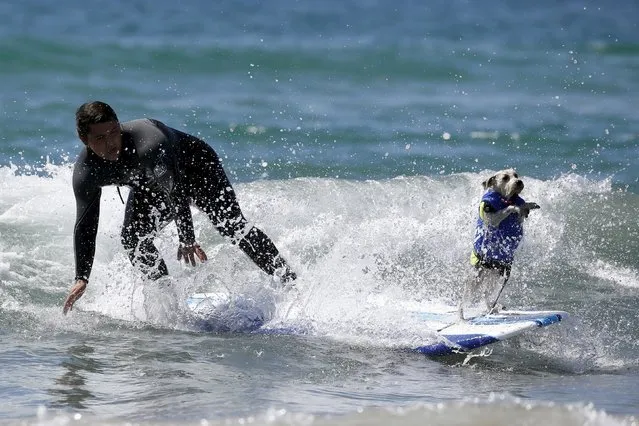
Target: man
[(167, 171)]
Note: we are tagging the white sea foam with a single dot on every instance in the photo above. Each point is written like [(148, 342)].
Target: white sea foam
[(404, 240)]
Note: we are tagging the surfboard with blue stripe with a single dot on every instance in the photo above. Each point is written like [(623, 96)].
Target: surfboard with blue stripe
[(211, 312)]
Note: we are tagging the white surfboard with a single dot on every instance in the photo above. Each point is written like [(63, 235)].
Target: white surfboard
[(466, 335), (221, 312)]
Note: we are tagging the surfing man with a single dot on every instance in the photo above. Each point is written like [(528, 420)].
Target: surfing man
[(167, 171)]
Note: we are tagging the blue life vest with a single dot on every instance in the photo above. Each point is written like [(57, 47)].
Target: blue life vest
[(497, 244)]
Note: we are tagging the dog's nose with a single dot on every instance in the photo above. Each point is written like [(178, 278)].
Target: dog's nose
[(520, 184)]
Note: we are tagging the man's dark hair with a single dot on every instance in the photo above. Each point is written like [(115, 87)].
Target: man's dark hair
[(93, 113)]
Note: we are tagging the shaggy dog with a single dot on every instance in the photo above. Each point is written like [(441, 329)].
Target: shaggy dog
[(498, 232)]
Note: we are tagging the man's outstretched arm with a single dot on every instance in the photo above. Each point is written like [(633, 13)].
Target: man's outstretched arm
[(84, 235)]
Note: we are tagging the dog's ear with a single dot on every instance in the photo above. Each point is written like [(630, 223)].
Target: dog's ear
[(490, 182)]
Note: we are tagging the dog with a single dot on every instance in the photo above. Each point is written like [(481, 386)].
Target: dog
[(498, 232)]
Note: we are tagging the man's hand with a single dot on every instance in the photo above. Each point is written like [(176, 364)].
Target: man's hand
[(76, 292), (189, 253)]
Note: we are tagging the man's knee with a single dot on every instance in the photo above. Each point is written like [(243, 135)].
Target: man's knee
[(143, 254)]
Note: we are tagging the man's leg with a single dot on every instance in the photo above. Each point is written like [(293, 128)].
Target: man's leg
[(140, 225), (213, 194), (259, 247), (225, 213)]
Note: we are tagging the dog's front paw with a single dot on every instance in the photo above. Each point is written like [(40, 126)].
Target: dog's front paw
[(531, 206), (524, 209)]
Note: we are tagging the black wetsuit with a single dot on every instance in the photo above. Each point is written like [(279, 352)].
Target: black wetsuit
[(167, 171)]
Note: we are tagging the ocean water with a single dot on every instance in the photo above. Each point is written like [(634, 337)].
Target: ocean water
[(356, 134)]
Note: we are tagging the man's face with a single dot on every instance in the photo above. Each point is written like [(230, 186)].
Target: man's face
[(105, 139)]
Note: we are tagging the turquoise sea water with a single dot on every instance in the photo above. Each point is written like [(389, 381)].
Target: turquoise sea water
[(356, 134)]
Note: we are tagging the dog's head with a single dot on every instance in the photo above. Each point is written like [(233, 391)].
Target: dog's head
[(506, 182)]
